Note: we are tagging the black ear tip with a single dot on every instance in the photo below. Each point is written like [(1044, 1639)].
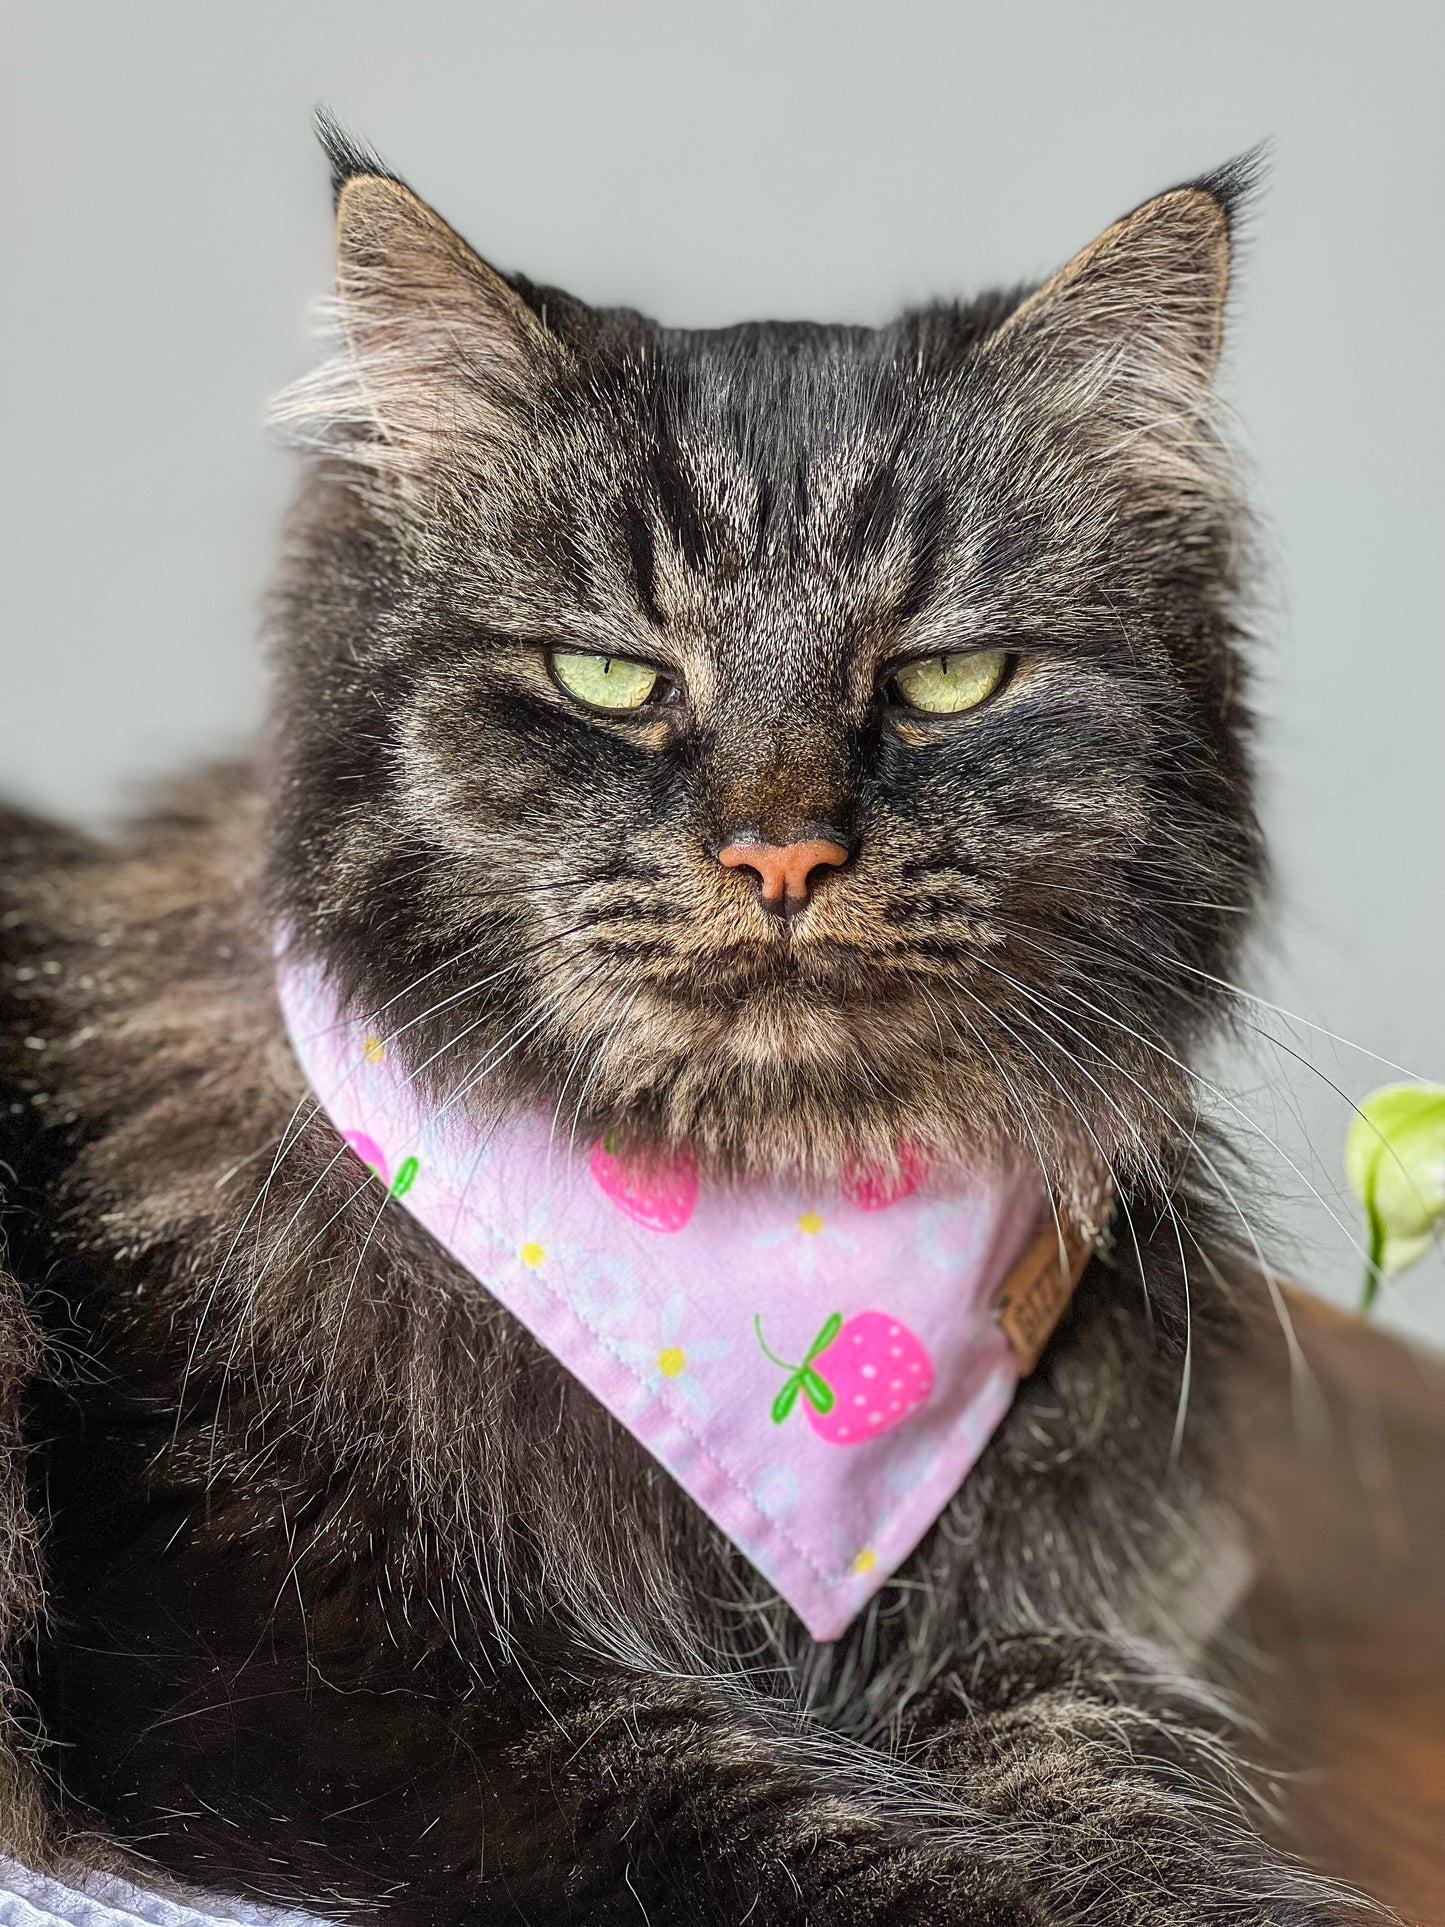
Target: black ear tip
[(1238, 184), (347, 155)]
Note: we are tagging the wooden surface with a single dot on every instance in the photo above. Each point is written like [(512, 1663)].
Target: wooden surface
[(1340, 1650)]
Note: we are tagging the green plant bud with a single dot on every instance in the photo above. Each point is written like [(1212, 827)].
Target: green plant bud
[(1395, 1162)]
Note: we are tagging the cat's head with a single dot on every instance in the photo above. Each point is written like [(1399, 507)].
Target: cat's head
[(797, 739)]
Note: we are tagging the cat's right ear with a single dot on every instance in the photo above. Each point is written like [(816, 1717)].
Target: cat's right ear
[(423, 313), (435, 342)]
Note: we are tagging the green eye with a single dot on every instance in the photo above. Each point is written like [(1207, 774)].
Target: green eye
[(607, 682), (947, 685)]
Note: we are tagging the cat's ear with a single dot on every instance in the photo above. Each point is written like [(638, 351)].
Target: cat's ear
[(1131, 329), (434, 342), (422, 311)]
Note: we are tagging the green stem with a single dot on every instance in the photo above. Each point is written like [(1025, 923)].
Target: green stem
[(1371, 1290), (782, 1363)]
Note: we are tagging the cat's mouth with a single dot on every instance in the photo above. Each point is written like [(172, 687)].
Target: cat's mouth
[(791, 1005), (827, 969)]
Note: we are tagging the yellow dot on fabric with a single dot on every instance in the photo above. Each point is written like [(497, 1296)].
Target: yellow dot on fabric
[(866, 1560), (373, 1050), (672, 1361), (532, 1254), (811, 1223)]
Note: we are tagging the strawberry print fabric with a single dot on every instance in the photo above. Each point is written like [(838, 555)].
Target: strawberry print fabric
[(819, 1372)]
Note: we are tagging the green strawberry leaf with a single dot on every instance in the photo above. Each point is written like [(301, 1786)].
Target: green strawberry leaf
[(404, 1178), (820, 1392), (786, 1399), (825, 1337)]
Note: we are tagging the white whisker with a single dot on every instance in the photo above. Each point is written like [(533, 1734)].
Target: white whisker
[(1300, 1374)]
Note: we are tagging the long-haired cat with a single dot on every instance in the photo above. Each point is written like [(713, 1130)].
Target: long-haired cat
[(354, 1595)]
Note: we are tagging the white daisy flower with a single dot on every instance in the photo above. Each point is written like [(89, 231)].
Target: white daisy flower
[(807, 1233), (666, 1364)]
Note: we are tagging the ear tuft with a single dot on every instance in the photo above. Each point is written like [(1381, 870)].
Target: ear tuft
[(347, 155), (1236, 187)]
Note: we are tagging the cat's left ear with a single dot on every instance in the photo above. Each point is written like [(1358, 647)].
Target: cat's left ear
[(1131, 328)]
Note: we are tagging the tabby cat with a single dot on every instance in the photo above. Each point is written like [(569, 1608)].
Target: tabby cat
[(354, 1596)]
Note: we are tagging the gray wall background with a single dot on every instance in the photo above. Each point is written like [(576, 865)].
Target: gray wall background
[(165, 220)]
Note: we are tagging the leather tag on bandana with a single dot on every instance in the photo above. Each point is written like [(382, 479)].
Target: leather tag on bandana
[(1031, 1299)]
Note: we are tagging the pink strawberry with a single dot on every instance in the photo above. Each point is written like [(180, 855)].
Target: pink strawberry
[(660, 1193), (859, 1379), (872, 1189), (369, 1151)]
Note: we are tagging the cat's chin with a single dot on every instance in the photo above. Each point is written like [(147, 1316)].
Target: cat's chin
[(769, 1085), (787, 1083), (775, 1028), (784, 1034)]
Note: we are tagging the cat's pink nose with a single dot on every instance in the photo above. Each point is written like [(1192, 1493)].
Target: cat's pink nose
[(784, 870)]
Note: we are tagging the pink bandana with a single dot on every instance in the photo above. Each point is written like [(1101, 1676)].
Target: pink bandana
[(819, 1372)]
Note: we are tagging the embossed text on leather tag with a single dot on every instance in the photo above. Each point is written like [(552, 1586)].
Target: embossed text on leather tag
[(1031, 1299)]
